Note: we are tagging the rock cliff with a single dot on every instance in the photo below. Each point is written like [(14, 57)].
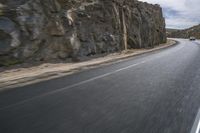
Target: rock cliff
[(186, 33), (43, 30)]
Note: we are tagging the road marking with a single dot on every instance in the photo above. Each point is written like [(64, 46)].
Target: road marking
[(81, 83), (74, 85), (196, 126)]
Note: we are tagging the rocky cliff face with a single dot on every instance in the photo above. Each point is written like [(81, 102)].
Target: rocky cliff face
[(193, 31), (39, 30)]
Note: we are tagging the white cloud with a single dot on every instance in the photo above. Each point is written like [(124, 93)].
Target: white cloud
[(179, 13)]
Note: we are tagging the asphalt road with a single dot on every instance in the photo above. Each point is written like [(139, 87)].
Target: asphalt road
[(157, 92)]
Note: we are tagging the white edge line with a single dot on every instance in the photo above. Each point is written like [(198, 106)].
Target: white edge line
[(73, 85), (196, 126)]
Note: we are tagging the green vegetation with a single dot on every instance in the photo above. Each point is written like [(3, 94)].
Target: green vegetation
[(1, 12), (9, 62), (1, 9)]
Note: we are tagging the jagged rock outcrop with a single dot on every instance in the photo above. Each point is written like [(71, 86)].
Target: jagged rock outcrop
[(60, 29), (186, 33)]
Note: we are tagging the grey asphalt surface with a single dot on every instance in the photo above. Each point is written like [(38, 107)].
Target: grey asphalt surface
[(157, 92)]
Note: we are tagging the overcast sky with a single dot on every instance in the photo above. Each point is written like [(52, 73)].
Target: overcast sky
[(179, 14)]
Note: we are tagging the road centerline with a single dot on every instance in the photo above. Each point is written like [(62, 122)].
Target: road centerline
[(80, 83), (74, 85)]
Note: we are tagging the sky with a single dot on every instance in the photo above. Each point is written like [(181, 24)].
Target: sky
[(179, 14)]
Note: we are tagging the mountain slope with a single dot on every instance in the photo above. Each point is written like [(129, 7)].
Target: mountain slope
[(193, 31)]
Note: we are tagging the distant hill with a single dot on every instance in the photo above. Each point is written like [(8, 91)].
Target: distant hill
[(186, 33), (169, 31)]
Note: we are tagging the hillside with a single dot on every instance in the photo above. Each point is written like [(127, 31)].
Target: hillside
[(193, 31), (45, 30)]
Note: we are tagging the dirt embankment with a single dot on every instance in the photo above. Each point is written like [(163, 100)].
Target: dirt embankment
[(23, 76)]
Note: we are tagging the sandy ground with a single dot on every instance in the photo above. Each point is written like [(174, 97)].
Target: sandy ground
[(23, 76)]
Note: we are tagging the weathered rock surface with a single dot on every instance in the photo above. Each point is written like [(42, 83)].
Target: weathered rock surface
[(60, 29), (193, 31)]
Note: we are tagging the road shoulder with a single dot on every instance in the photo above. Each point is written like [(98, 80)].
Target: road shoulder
[(24, 76)]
